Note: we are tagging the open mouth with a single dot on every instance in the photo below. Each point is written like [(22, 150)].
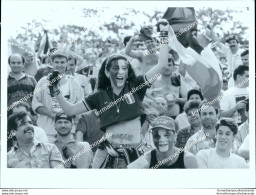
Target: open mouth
[(120, 79)]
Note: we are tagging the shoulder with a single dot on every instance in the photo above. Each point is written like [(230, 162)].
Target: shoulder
[(81, 145), (142, 162), (190, 160)]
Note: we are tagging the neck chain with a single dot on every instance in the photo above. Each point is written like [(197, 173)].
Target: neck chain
[(119, 103)]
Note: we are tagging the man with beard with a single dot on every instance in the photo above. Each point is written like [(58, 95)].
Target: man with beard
[(220, 157), (166, 155), (205, 137), (148, 59), (28, 153), (171, 88), (68, 146), (118, 101)]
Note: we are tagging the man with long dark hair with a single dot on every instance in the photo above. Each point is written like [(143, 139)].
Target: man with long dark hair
[(118, 102)]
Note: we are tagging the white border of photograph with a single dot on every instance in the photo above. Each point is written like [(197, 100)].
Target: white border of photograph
[(114, 178)]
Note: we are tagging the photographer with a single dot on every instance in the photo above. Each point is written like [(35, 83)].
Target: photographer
[(45, 104)]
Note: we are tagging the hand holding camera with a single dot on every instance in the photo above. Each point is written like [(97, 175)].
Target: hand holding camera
[(54, 78)]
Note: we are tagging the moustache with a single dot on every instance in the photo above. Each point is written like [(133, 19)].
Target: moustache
[(29, 129)]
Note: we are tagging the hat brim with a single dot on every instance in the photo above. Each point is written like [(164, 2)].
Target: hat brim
[(162, 126)]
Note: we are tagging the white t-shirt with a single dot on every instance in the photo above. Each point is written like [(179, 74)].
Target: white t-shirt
[(230, 99), (210, 159), (85, 83)]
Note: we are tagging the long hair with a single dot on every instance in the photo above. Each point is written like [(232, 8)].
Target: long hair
[(103, 80)]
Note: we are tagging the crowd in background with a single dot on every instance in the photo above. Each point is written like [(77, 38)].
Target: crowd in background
[(176, 95)]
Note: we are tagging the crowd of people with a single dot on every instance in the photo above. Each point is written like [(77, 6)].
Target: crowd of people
[(165, 123)]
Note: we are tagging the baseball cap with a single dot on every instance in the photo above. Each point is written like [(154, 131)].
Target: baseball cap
[(59, 53), (231, 37), (62, 115), (164, 122)]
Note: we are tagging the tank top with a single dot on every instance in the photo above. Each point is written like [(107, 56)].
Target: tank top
[(179, 164)]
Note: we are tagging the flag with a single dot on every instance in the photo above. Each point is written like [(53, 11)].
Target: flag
[(44, 47), (203, 67)]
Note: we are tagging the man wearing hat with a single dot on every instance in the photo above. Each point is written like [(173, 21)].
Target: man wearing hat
[(43, 101), (166, 155), (68, 146)]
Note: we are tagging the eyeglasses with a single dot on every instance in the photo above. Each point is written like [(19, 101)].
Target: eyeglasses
[(163, 23)]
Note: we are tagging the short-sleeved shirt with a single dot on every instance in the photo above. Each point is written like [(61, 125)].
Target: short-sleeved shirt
[(210, 159), (41, 155), (230, 98), (199, 141), (128, 108), (89, 125), (18, 89), (183, 135)]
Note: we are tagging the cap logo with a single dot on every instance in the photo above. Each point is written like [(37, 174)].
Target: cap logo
[(162, 121)]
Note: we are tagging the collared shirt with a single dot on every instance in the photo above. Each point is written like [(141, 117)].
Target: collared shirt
[(199, 141), (130, 108), (17, 89), (74, 147), (42, 155), (183, 135), (243, 131)]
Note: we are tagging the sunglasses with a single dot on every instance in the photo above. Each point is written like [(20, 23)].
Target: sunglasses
[(163, 23)]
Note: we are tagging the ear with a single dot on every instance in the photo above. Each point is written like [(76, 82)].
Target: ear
[(13, 132), (107, 73)]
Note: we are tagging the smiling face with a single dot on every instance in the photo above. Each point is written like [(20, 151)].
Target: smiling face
[(25, 131), (225, 138), (118, 73), (150, 44), (16, 63), (193, 117), (163, 139), (63, 127), (233, 45), (60, 64)]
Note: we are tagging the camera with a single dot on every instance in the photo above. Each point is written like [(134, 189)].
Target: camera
[(54, 80)]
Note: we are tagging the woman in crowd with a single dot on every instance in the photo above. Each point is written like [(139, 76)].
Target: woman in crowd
[(123, 119)]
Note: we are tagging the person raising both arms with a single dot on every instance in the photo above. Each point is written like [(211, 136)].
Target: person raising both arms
[(123, 119)]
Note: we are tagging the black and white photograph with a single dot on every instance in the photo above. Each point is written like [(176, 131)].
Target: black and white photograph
[(95, 86)]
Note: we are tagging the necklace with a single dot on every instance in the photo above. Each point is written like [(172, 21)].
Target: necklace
[(119, 103)]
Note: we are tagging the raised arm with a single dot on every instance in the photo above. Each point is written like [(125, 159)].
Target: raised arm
[(134, 54)]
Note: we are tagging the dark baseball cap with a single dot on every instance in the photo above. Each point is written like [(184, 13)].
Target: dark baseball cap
[(62, 115), (164, 122), (232, 37)]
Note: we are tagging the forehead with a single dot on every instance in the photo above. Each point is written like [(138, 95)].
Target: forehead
[(208, 109), (59, 58), (62, 121), (16, 58), (224, 128), (72, 61), (161, 131), (120, 62)]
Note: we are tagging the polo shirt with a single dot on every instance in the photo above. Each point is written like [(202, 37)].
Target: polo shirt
[(17, 89), (127, 110)]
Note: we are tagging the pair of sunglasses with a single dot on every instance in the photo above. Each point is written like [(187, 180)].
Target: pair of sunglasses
[(163, 23)]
